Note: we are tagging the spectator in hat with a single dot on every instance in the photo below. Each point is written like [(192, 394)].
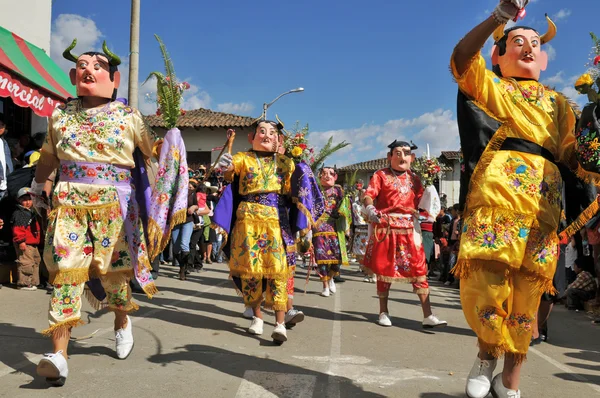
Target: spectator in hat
[(26, 238)]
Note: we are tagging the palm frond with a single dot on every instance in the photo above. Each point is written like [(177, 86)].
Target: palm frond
[(328, 149)]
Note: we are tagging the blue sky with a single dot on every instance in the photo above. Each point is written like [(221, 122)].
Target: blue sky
[(372, 71)]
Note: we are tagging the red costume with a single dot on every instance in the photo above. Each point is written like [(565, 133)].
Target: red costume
[(395, 252)]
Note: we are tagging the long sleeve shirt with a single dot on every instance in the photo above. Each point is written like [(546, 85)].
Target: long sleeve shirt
[(584, 281)]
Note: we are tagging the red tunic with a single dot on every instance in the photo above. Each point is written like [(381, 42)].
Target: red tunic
[(392, 253)]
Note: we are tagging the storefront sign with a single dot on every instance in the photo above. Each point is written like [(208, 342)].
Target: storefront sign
[(25, 96)]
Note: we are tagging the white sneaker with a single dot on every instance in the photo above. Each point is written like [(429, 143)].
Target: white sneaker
[(293, 317), (53, 367), (279, 334), (499, 391), (248, 313), (256, 327), (325, 292), (28, 288), (479, 380), (384, 319), (124, 340), (332, 287), (432, 321)]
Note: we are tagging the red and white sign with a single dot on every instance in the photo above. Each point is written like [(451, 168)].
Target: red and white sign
[(25, 96)]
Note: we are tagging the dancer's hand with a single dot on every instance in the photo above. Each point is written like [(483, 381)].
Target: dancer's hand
[(225, 162), (509, 9), (37, 190), (372, 214)]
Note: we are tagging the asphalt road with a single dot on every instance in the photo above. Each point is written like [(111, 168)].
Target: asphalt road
[(191, 341)]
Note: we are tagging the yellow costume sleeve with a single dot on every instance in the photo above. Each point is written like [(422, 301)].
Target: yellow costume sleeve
[(566, 129), (48, 152), (290, 167), (238, 165)]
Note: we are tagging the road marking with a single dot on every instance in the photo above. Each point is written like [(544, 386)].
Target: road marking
[(336, 347), (276, 385), (36, 358), (565, 369)]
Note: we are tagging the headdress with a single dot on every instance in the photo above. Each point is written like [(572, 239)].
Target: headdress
[(397, 144), (113, 59), (499, 33)]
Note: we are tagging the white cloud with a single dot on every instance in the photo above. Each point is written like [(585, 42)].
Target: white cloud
[(245, 108), (65, 28), (562, 14), (555, 80), (369, 141), (551, 52)]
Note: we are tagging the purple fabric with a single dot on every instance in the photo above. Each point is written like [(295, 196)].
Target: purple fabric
[(119, 178), (268, 199), (143, 190), (223, 212), (307, 195), (170, 193)]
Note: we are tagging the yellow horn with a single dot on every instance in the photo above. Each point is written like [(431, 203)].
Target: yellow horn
[(549, 35), (279, 121), (499, 33)]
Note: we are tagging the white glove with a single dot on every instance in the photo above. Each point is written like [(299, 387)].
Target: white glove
[(508, 9), (37, 188), (225, 162), (372, 214)]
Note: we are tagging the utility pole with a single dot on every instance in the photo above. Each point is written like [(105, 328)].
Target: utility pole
[(134, 53)]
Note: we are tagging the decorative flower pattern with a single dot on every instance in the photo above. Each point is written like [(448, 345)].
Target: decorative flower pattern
[(530, 180), (66, 299), (528, 93), (521, 323), (503, 232), (488, 317)]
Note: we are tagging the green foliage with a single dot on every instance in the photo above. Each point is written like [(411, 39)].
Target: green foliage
[(168, 90), (328, 150)]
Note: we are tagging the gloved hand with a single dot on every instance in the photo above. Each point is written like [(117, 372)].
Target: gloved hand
[(37, 191), (508, 9), (225, 162), (372, 214)]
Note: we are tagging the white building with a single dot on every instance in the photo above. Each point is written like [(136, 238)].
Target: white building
[(450, 181)]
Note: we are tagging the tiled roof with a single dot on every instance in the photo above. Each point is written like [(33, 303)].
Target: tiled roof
[(377, 164), (369, 165), (451, 155), (204, 118)]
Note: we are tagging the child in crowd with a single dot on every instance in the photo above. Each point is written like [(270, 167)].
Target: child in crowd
[(26, 238)]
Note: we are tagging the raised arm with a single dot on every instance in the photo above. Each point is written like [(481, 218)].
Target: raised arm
[(474, 41)]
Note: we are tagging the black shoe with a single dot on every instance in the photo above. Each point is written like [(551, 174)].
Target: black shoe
[(338, 279), (536, 341)]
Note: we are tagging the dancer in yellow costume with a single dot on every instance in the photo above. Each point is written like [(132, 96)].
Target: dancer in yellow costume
[(258, 261), (517, 137)]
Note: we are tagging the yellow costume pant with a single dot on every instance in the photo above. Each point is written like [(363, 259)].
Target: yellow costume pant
[(500, 309), (274, 290)]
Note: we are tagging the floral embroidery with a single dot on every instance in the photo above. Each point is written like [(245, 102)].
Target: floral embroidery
[(117, 296), (250, 287), (260, 244), (530, 180), (504, 231), (521, 323), (529, 93), (542, 248), (60, 252), (104, 171), (488, 317), (402, 259), (66, 299), (587, 144)]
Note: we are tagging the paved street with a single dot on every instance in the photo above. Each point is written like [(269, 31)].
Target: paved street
[(191, 341)]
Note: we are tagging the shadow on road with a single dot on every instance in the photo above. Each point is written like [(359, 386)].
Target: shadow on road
[(237, 364)]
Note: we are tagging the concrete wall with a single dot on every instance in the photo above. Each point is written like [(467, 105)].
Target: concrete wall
[(30, 19)]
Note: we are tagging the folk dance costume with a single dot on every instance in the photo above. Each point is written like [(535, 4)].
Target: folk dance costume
[(361, 233), (95, 233), (395, 251), (257, 212), (329, 239), (518, 141)]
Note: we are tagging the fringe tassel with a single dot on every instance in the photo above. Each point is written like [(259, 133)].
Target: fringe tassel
[(304, 211), (130, 307), (589, 177), (157, 238), (540, 283), (392, 279), (421, 290), (150, 290), (581, 220), (500, 350), (63, 327), (463, 268), (327, 262), (69, 276), (283, 275), (94, 302)]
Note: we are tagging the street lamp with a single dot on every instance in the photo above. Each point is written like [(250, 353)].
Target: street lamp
[(266, 106)]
